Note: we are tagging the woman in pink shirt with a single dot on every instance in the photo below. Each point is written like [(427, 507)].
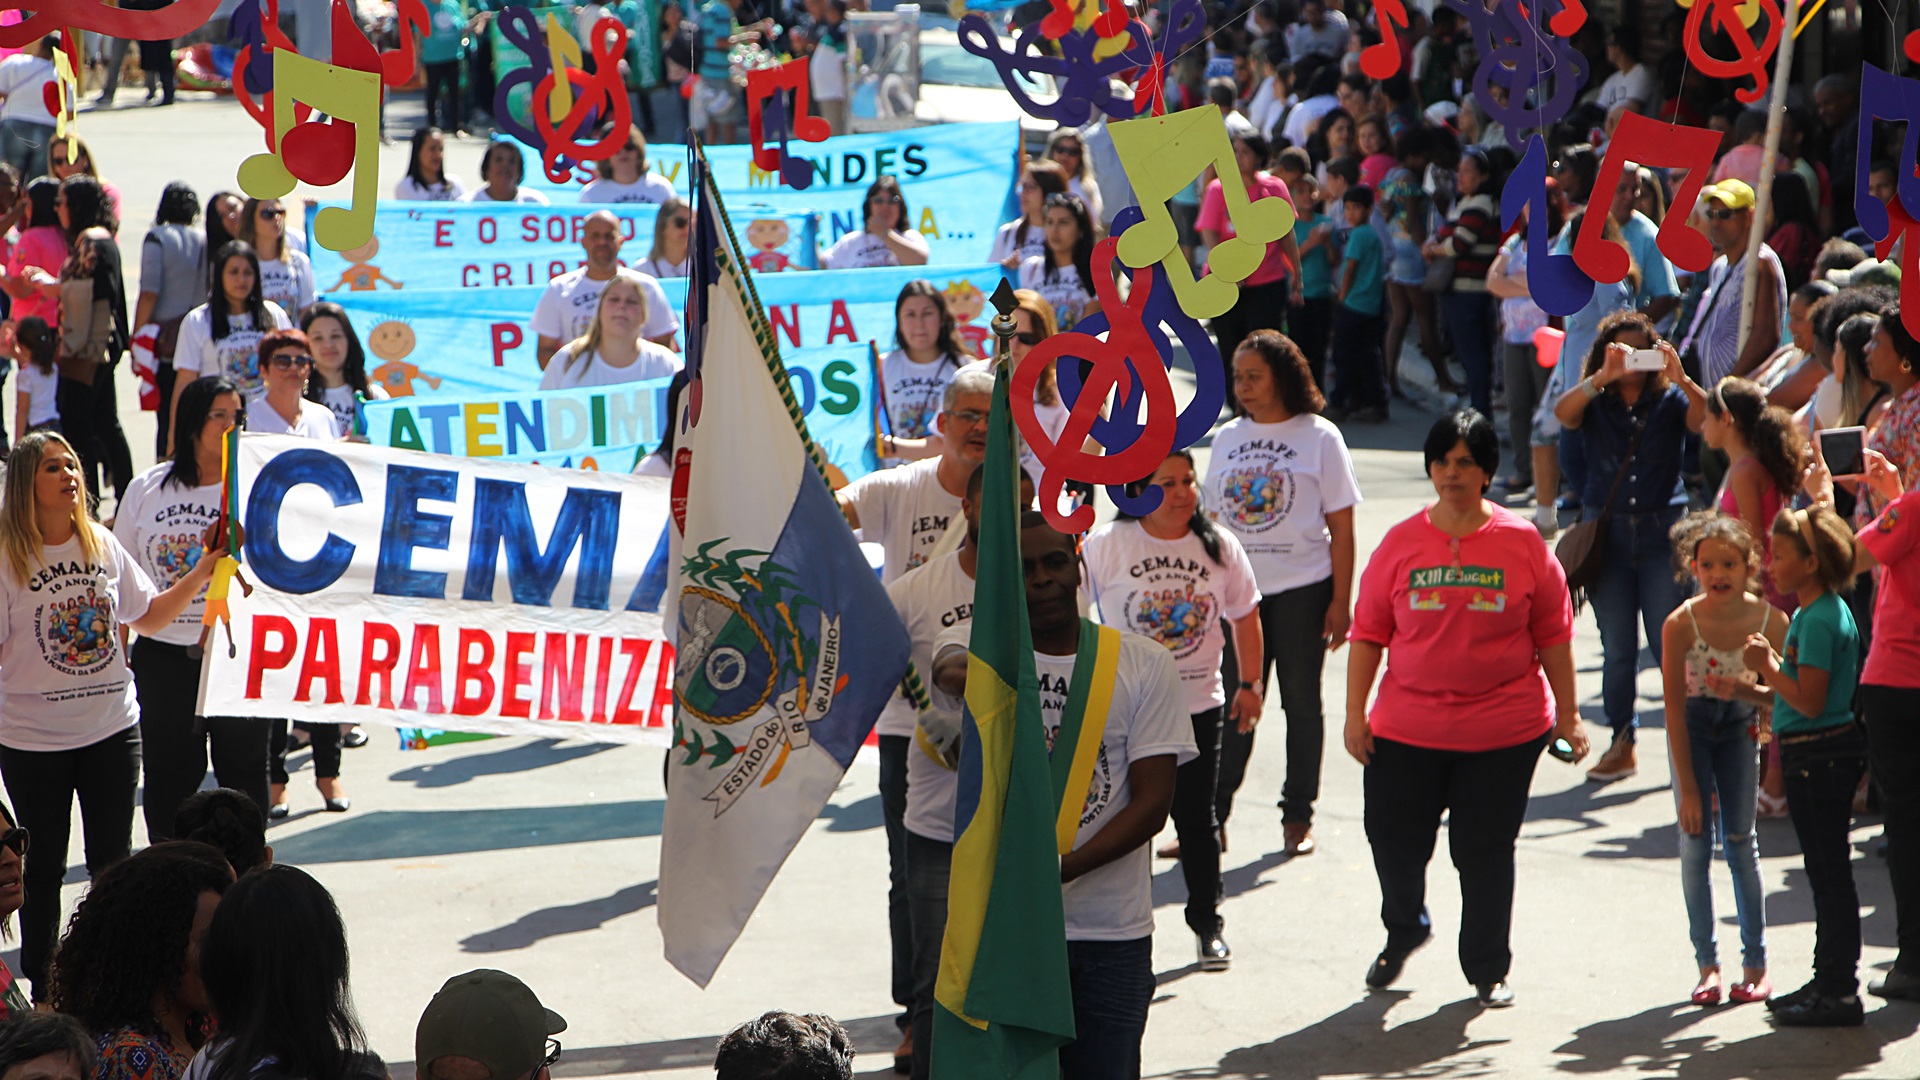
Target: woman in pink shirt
[(1265, 295), (33, 267), (1463, 578)]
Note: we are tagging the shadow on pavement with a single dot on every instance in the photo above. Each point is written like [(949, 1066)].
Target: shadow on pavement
[(536, 926), (406, 834), (855, 817), (1654, 1042), (513, 759), (870, 1034), (1357, 1040), (1170, 886)]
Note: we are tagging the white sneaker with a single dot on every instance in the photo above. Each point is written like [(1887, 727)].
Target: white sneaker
[(1547, 520)]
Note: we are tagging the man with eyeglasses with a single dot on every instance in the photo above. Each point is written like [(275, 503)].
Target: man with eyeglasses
[(486, 1025), (908, 511)]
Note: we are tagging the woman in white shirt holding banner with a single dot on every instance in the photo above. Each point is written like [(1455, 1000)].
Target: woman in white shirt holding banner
[(612, 350), (1173, 576), (69, 719)]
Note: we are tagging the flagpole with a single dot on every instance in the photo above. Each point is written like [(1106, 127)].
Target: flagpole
[(1763, 198)]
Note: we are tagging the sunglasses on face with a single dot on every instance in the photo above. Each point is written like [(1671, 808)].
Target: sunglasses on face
[(17, 839), (1072, 151), (553, 1053), (1029, 340), (284, 362), (1723, 215), (885, 199), (270, 215)]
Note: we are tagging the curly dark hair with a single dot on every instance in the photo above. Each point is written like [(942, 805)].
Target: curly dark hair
[(1609, 331), (1768, 430), (1696, 528), (128, 940), (229, 821), (781, 1044)]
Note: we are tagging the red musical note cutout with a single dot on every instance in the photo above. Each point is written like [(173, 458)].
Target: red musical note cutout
[(351, 49), (1646, 141), (177, 20), (398, 65), (559, 137), (763, 83), (1911, 47), (1382, 60), (1754, 57), (1569, 19), (1127, 355)]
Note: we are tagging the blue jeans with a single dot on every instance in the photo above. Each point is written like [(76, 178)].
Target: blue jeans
[(929, 868), (1637, 583), (23, 145), (1112, 987), (893, 809), (1470, 321), (1820, 771), (1726, 763)]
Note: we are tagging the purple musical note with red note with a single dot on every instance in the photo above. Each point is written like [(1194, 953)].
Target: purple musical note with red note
[(767, 90)]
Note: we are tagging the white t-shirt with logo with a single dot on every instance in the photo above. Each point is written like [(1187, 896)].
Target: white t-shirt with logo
[(522, 196), (915, 391), (339, 401), (930, 598), (568, 306), (1170, 591), (862, 249), (1063, 289), (315, 421), (650, 188), (161, 525), (66, 683), (1272, 486), (1007, 241), (236, 356), (1146, 719), (288, 280), (905, 510), (563, 372)]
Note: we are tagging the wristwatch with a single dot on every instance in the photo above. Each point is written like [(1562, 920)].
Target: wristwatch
[(1245, 685)]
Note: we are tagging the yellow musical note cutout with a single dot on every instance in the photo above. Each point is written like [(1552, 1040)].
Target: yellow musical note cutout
[(1163, 154), (321, 153), (563, 52), (66, 83)]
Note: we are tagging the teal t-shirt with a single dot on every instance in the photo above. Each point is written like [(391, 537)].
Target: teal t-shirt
[(448, 24), (1822, 635), (1369, 289), (716, 26), (1316, 266)]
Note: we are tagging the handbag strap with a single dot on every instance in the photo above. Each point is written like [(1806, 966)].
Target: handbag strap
[(1633, 444)]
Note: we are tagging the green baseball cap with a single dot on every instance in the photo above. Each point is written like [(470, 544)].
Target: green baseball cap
[(488, 1016)]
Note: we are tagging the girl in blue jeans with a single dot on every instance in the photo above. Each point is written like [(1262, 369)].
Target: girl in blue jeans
[(1714, 733)]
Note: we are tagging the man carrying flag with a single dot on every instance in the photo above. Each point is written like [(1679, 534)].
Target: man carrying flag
[(786, 645), (1070, 739)]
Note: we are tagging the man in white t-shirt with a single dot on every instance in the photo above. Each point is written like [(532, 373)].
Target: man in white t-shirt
[(908, 512), (26, 124), (1632, 87), (567, 308), (931, 599), (1107, 876)]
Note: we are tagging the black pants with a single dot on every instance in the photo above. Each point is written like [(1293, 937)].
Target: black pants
[(929, 871), (42, 786), (90, 418), (1360, 381), (324, 740), (1194, 790), (443, 97), (1290, 626), (893, 811), (1893, 742), (1258, 307), (163, 380), (1821, 771), (1311, 324), (1485, 794), (175, 741)]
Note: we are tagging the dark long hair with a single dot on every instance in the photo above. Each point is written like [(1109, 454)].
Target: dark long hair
[(950, 343), (354, 371), (1083, 247), (87, 206), (1792, 202), (217, 234), (228, 821), (1612, 327), (1051, 179), (275, 966), (196, 401), (1768, 430), (42, 195), (256, 304), (1200, 523), (414, 172), (1317, 146), (128, 940), (883, 185), (179, 205)]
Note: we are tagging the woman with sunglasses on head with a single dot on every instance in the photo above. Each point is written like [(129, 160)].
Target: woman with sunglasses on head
[(624, 178), (69, 717), (339, 367), (161, 521), (70, 157), (286, 275), (884, 238), (1026, 236), (1063, 273), (1066, 149), (222, 336), (502, 169), (669, 257)]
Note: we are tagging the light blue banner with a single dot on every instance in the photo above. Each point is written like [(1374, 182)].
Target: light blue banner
[(436, 245), (447, 343), (611, 428), (957, 178)]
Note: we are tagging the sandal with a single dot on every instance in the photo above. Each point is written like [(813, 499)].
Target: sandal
[(1770, 805)]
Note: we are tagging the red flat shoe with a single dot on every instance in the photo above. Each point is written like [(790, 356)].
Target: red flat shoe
[(1706, 995), (1748, 993)]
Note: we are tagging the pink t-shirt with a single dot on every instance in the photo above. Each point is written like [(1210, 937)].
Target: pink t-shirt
[(1743, 163), (1893, 659), (1213, 215), (1374, 169), (45, 247), (1463, 622)]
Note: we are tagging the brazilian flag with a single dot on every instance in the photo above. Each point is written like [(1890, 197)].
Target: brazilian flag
[(1004, 1006)]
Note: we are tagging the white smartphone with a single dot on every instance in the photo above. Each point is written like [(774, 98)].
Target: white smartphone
[(1844, 450), (1647, 360)]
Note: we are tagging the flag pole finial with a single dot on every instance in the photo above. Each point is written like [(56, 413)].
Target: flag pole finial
[(1004, 326)]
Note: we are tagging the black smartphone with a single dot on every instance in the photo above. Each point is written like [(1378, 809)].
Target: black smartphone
[(1844, 450), (1562, 749)]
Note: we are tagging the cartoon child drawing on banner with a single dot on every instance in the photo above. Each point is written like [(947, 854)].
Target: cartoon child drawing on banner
[(363, 276), (966, 301), (393, 341), (768, 236)]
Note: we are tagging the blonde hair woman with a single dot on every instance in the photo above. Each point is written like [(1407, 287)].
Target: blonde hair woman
[(68, 715), (612, 350), (672, 227)]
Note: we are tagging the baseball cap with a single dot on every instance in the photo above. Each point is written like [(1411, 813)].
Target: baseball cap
[(1866, 272), (1732, 194), (488, 1016)]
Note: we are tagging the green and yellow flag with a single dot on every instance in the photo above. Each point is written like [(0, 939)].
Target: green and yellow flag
[(1003, 1002)]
